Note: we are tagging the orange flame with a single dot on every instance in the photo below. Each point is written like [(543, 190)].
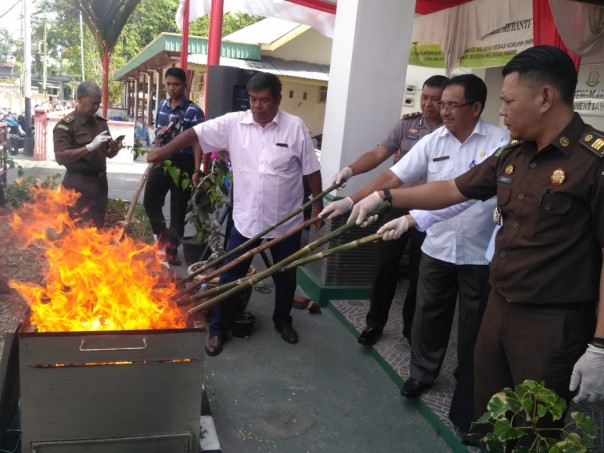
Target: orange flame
[(93, 281)]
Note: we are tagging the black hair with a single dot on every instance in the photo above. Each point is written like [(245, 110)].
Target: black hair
[(546, 65), (179, 73), (474, 88), (89, 88), (436, 81), (263, 80)]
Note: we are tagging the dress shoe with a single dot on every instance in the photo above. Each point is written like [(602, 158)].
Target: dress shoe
[(288, 334), (369, 336), (214, 345), (414, 388)]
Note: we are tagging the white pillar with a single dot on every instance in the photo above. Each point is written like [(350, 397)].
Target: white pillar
[(366, 82)]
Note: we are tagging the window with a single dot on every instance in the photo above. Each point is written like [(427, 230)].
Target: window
[(322, 95)]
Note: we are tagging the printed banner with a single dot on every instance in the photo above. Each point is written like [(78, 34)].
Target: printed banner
[(589, 97), (494, 49)]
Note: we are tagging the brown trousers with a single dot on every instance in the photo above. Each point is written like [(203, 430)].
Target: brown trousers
[(518, 342)]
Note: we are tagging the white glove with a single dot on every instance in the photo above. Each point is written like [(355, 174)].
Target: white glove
[(343, 175), (362, 210), (98, 141), (588, 376), (337, 208), (394, 229)]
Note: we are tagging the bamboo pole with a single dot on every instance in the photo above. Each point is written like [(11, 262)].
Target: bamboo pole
[(267, 230), (340, 248), (251, 281), (246, 255), (134, 201)]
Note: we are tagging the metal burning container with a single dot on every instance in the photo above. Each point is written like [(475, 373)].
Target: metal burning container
[(111, 392)]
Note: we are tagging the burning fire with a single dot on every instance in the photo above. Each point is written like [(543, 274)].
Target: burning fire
[(93, 282)]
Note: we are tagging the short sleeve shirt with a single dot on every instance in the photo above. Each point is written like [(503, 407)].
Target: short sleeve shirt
[(75, 130), (548, 249), (268, 164), (190, 113), (406, 133)]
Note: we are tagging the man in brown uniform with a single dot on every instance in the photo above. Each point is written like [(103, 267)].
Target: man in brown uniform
[(82, 144), (546, 273)]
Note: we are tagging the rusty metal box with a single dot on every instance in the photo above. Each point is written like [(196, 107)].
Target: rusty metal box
[(111, 392)]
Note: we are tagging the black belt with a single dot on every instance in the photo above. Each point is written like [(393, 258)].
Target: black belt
[(84, 172), (577, 306)]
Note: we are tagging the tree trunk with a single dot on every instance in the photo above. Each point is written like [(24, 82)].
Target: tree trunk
[(106, 55)]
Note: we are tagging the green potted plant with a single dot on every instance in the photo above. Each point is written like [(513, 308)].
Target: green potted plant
[(206, 203), (514, 415)]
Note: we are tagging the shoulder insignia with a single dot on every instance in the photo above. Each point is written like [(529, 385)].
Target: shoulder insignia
[(509, 145), (594, 142), (62, 126), (409, 116), (68, 118)]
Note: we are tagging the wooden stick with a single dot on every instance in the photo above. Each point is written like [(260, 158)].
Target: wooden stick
[(251, 281), (246, 255), (246, 244), (134, 201)]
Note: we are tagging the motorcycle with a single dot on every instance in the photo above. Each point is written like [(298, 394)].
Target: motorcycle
[(16, 135)]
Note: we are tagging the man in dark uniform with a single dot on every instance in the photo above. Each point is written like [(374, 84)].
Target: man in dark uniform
[(82, 144), (401, 139), (546, 273), (184, 114)]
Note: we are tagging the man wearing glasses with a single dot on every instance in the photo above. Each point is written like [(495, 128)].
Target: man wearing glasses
[(453, 263)]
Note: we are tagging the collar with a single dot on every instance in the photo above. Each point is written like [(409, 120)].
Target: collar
[(248, 118), (480, 128), (181, 104), (565, 141)]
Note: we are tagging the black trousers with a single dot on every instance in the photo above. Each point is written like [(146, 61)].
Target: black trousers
[(440, 285), (389, 255), (519, 342), (158, 186)]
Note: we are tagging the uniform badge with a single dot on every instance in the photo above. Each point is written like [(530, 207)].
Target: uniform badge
[(497, 216), (509, 169), (558, 177), (60, 126), (482, 153), (412, 131), (564, 141)]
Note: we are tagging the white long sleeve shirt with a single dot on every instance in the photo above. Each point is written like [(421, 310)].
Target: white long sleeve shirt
[(440, 156)]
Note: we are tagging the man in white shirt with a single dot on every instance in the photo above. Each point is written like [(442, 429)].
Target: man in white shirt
[(453, 263), (270, 151)]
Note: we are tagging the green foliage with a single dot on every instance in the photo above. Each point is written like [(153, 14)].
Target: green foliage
[(139, 227), (19, 191), (514, 415), (208, 198), (182, 179)]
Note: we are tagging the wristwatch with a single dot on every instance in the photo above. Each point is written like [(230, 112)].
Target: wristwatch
[(387, 195)]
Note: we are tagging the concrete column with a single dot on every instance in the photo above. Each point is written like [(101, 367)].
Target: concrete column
[(365, 97)]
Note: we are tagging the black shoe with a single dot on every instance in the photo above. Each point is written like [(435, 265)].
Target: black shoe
[(369, 336), (414, 388), (214, 345), (288, 334)]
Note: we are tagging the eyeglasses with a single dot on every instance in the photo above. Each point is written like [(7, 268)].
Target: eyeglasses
[(451, 106)]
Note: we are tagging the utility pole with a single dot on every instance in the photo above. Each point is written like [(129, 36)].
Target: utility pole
[(28, 142), (44, 61)]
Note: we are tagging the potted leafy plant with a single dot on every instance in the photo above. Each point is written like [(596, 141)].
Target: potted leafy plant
[(206, 203), (514, 415)]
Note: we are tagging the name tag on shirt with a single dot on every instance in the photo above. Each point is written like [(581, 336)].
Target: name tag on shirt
[(282, 145), (505, 179), (438, 159)]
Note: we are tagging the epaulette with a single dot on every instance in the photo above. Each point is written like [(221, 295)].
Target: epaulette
[(409, 116), (509, 145), (593, 141), (68, 118)]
